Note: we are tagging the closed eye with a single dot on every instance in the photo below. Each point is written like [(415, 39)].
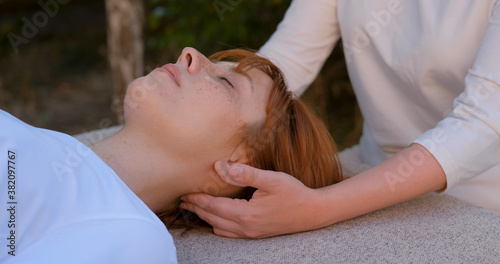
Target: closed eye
[(226, 80)]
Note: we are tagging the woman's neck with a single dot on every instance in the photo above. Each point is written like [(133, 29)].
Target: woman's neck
[(151, 172)]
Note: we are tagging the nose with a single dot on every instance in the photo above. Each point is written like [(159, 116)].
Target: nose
[(192, 60)]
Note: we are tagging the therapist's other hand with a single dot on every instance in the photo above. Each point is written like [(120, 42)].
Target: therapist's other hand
[(281, 204)]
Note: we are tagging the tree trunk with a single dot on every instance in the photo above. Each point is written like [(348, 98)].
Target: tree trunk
[(125, 47)]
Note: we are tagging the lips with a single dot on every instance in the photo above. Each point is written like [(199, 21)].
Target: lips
[(173, 72)]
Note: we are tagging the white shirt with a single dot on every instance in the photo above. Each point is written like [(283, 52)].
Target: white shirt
[(423, 71), (60, 203)]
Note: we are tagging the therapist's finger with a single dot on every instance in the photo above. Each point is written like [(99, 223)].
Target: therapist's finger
[(222, 206), (222, 168), (224, 233), (244, 175), (207, 212), (207, 217)]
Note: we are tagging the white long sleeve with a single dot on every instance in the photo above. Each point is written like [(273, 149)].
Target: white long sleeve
[(467, 141), (423, 71), (303, 41)]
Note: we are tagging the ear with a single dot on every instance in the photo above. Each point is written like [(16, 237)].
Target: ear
[(239, 155)]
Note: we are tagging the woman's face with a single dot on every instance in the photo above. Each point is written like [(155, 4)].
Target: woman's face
[(196, 106)]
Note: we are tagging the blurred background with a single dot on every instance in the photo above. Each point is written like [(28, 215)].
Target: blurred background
[(64, 64)]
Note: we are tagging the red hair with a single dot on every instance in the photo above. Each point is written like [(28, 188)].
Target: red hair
[(291, 139)]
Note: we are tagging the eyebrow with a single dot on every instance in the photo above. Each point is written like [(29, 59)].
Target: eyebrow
[(232, 68)]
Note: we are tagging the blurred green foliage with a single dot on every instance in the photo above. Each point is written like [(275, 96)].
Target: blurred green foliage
[(208, 26), (170, 25)]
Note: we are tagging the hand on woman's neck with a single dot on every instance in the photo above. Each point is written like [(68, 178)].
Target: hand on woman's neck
[(150, 171)]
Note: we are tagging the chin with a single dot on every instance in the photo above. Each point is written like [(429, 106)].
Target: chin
[(139, 91)]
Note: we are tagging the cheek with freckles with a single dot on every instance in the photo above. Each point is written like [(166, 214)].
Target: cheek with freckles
[(217, 91), (209, 100), (205, 116)]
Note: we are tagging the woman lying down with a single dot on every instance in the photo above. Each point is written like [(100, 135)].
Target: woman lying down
[(109, 203)]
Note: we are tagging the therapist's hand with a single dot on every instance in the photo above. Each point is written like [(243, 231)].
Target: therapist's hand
[(281, 205)]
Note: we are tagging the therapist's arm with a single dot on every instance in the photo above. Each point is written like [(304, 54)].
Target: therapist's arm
[(283, 205)]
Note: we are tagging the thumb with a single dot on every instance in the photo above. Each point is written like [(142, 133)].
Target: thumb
[(243, 175)]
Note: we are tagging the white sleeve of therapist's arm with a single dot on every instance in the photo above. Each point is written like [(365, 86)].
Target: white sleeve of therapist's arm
[(303, 41), (466, 142)]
